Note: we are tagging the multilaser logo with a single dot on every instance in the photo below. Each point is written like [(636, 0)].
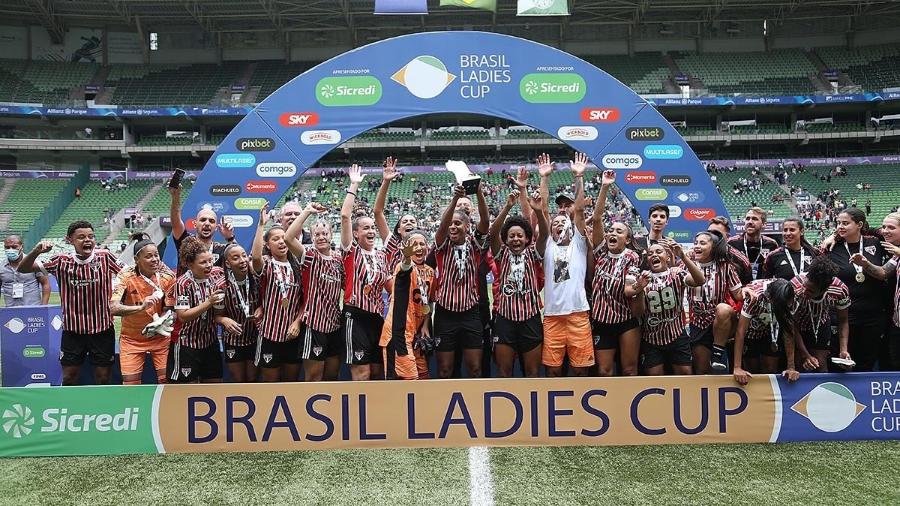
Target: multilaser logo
[(552, 88), (348, 91)]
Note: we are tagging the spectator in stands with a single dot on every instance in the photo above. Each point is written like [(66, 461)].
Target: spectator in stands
[(77, 192), (21, 289)]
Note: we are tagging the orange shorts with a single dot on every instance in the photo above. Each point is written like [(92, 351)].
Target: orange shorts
[(568, 335), (422, 365), (132, 353), (404, 365)]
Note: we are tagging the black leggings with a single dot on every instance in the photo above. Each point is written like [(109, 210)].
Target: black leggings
[(893, 348), (864, 345)]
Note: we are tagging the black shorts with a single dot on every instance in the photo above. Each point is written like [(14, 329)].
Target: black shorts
[(522, 336), (678, 352), (702, 337), (101, 346), (317, 345), (362, 332), (453, 330), (271, 354), (764, 348), (606, 335), (187, 365), (239, 353), (820, 341)]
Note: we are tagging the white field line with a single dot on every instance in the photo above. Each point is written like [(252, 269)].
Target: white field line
[(481, 483)]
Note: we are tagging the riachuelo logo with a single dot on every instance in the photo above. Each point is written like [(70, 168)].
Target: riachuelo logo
[(424, 76), (830, 406), (348, 91), (553, 88)]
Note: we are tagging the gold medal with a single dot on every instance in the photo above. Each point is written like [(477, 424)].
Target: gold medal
[(860, 277), (285, 302), (426, 309)]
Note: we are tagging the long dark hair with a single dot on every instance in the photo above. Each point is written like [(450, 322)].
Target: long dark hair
[(719, 251), (859, 216), (822, 272), (781, 295), (254, 287), (291, 258), (807, 247)]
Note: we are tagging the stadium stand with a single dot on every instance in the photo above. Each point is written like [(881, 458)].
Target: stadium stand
[(643, 72), (777, 72), (154, 85), (94, 202), (270, 75), (27, 199), (42, 82), (872, 67)]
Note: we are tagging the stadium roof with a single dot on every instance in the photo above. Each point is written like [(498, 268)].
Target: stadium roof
[(331, 21)]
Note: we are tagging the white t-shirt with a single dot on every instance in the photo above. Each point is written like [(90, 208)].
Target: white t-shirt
[(565, 268)]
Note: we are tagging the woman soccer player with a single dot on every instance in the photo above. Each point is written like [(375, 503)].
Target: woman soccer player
[(404, 225), (241, 313), (366, 276), (139, 296), (660, 300), (711, 314), (278, 344), (323, 277), (408, 311), (614, 327), (890, 229), (794, 257), (194, 354), (818, 293), (766, 325), (517, 322), (857, 256)]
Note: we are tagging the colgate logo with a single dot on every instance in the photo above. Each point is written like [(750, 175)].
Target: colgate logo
[(600, 115), (298, 119), (699, 213), (640, 177), (260, 186)]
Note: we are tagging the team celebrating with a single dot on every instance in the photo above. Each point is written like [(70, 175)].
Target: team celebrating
[(556, 288)]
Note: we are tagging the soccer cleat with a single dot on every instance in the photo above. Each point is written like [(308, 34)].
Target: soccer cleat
[(719, 361)]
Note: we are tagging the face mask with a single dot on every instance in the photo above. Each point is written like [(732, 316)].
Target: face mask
[(13, 254)]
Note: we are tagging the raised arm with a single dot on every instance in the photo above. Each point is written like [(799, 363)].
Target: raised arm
[(27, 263), (521, 182), (293, 233), (387, 176), (543, 232), (45, 289), (545, 168), (484, 214), (494, 232), (696, 277), (578, 167), (599, 233), (356, 177), (175, 212), (441, 235), (256, 252)]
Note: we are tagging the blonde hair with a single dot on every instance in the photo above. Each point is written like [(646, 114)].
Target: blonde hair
[(760, 211), (893, 216)]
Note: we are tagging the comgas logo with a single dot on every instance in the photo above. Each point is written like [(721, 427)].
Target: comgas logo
[(552, 88), (622, 161), (348, 91), (283, 169), (600, 114), (424, 76), (640, 177), (299, 119), (314, 137), (255, 144), (577, 133)]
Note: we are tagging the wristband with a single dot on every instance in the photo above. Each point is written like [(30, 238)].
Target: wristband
[(350, 193)]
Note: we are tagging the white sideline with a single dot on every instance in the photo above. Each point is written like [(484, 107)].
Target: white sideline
[(481, 484)]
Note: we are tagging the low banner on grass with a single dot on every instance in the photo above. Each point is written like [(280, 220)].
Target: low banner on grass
[(449, 413), (29, 345)]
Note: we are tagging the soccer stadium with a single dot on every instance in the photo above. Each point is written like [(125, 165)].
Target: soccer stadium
[(631, 251)]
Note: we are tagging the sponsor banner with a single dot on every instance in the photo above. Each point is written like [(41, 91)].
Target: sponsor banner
[(674, 211), (313, 137), (29, 345), (577, 133), (640, 177), (24, 110), (283, 169), (451, 413), (622, 161), (769, 227)]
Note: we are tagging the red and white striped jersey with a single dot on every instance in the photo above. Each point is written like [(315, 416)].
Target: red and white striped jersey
[(721, 278), (241, 300), (190, 292), (281, 298), (85, 287), (518, 295), (663, 320), (323, 278), (365, 274), (457, 271), (609, 304), (812, 315), (392, 254), (758, 310)]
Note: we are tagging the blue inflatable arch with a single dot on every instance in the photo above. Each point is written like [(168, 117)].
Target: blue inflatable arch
[(454, 72)]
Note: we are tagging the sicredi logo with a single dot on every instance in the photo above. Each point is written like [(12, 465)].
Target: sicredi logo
[(640, 177), (19, 421), (348, 91), (644, 134), (552, 88), (690, 197), (33, 351), (235, 160), (577, 133), (249, 203), (298, 119), (651, 194), (255, 144), (218, 190), (600, 114), (674, 211), (617, 161), (675, 180), (253, 186), (424, 76), (314, 137), (699, 214), (284, 169), (238, 220), (663, 152)]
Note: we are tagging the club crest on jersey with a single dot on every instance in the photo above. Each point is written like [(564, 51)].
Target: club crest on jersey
[(215, 258), (870, 250), (764, 251), (267, 357), (359, 354), (230, 353), (185, 371)]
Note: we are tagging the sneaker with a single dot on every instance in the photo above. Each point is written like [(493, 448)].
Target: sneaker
[(719, 360)]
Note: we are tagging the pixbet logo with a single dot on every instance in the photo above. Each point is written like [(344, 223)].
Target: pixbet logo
[(348, 91), (600, 114), (617, 161), (255, 144), (552, 88), (699, 214), (253, 186), (640, 177), (298, 119), (285, 169), (644, 134)]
